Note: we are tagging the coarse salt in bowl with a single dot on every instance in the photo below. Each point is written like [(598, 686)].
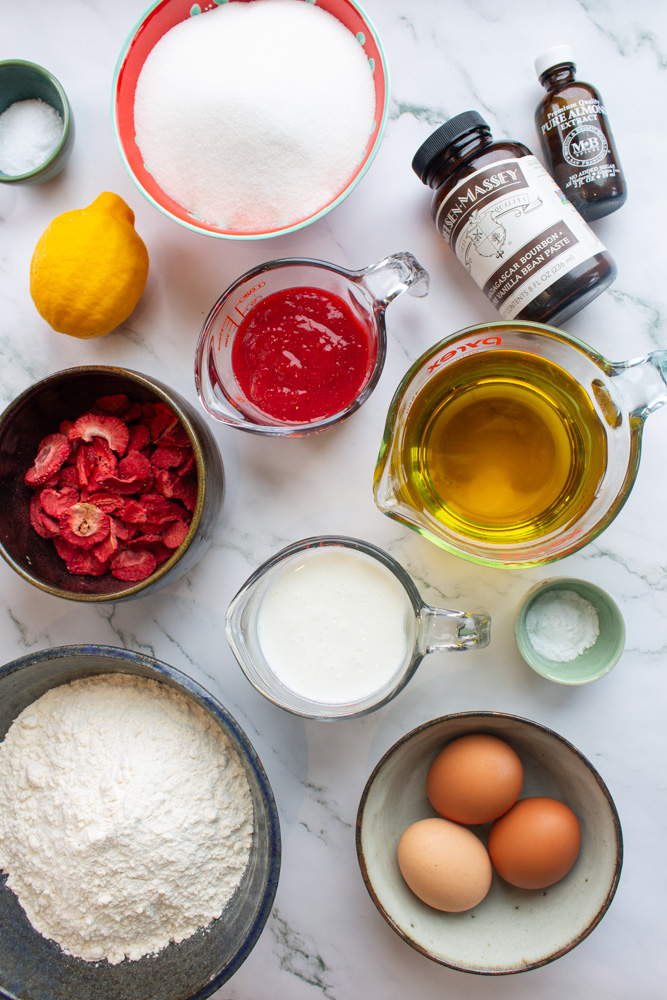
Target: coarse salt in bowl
[(279, 173)]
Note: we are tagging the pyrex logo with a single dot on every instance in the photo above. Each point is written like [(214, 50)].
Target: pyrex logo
[(470, 346)]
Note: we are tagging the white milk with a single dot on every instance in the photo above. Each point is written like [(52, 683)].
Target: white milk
[(332, 625)]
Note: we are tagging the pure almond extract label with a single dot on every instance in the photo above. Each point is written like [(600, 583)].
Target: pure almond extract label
[(583, 142), (514, 231)]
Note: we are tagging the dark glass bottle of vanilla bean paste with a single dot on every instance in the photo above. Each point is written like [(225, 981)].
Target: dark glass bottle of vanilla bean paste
[(509, 224), (576, 140)]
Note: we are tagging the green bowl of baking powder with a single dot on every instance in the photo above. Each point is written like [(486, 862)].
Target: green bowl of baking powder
[(569, 631)]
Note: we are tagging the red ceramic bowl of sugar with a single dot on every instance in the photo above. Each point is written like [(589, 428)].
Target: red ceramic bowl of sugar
[(259, 153)]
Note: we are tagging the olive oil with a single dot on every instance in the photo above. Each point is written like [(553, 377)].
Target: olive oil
[(504, 447)]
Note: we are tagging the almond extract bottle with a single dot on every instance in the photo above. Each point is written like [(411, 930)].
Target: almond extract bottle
[(576, 140), (509, 223)]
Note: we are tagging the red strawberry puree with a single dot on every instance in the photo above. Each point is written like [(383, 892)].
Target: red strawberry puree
[(301, 355)]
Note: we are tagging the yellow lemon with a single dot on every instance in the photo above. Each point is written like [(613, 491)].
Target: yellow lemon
[(89, 268)]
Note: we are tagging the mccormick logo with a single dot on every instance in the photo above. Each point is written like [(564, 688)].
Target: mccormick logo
[(471, 196)]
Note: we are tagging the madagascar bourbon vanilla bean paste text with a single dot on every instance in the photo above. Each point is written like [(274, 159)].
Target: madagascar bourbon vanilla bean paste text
[(514, 232)]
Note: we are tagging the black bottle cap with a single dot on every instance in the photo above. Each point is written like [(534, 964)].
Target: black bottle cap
[(438, 141)]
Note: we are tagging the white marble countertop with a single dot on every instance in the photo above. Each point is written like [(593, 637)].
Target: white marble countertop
[(324, 937)]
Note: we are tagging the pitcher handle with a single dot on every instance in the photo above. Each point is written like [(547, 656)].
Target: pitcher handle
[(447, 631), (400, 272)]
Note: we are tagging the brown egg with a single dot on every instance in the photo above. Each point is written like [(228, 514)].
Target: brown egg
[(536, 843), (474, 779), (444, 864)]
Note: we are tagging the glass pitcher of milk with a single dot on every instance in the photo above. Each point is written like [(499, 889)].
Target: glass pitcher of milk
[(333, 627)]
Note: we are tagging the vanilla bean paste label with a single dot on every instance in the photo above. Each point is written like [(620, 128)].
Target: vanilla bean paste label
[(514, 231)]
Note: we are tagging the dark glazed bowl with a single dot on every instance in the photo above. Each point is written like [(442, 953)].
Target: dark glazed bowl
[(25, 81), (512, 930), (34, 968), (38, 412)]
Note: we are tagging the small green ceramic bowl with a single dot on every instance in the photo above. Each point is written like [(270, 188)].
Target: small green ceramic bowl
[(26, 81), (592, 663)]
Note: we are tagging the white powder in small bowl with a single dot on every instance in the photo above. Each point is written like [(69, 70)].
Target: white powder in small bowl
[(30, 131), (561, 625), (253, 116), (127, 817)]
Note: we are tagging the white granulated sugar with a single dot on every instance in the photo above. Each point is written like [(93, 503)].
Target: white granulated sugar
[(29, 132), (253, 116), (126, 819)]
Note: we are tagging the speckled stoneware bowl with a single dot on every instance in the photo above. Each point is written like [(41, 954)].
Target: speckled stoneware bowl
[(34, 968), (26, 81), (511, 930), (36, 413), (594, 662)]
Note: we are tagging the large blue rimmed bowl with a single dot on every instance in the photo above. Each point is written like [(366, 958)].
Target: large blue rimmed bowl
[(34, 968)]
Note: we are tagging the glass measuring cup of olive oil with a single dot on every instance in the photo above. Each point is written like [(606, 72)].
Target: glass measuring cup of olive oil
[(515, 444)]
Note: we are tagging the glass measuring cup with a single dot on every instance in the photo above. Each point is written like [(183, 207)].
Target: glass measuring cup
[(586, 415), (367, 293), (422, 629)]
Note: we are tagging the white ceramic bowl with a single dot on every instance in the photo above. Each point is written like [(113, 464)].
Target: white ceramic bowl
[(512, 930)]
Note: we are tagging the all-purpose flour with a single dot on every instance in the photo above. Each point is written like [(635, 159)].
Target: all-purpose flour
[(125, 816)]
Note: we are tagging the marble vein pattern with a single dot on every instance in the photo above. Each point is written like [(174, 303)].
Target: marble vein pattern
[(324, 939)]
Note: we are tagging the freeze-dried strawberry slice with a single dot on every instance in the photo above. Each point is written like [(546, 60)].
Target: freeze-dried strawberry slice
[(177, 436), (68, 476), (64, 548), (134, 475), (140, 437), (66, 426), (132, 565), (163, 482), (175, 534), (134, 413), (189, 466), (85, 563), (115, 404), (160, 419), (168, 457), (44, 525), (106, 548), (134, 465), (170, 485), (153, 543), (56, 502), (92, 425), (51, 453), (85, 464), (107, 502), (186, 491), (51, 483), (159, 510), (124, 532), (105, 462), (133, 512), (84, 525)]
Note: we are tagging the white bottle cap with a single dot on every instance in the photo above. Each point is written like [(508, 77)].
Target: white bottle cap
[(554, 57)]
